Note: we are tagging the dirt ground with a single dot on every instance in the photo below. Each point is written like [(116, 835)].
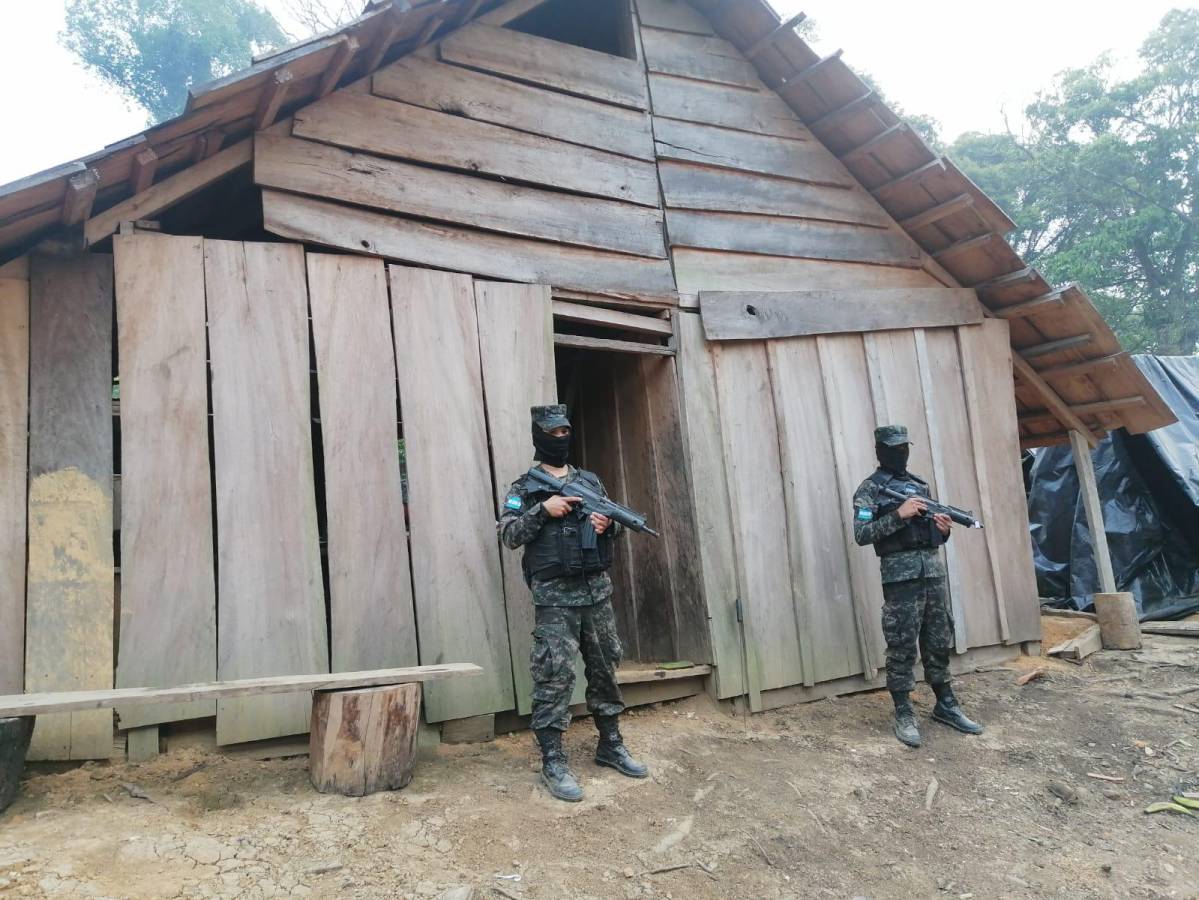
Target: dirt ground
[(810, 801)]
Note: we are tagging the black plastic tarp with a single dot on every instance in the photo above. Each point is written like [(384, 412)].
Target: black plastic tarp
[(1149, 490)]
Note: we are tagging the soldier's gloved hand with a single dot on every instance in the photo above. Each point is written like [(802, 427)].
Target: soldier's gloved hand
[(943, 523), (913, 506), (600, 522), (557, 506)]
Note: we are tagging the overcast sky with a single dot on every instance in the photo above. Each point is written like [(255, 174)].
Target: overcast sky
[(965, 64)]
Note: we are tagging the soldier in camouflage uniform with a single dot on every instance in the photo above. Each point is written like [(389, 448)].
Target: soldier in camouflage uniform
[(916, 610), (572, 596)]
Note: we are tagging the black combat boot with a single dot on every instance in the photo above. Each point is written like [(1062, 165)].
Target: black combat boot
[(947, 711), (905, 719), (611, 750), (555, 773)]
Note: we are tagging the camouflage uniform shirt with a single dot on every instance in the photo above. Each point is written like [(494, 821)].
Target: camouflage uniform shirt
[(870, 527), (520, 521)]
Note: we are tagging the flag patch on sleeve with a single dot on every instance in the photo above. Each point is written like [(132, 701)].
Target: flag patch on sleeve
[(513, 502), (865, 515)]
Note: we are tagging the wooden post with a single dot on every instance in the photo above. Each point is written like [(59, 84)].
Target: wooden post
[(1090, 498), (14, 742), (363, 741), (142, 744), (1118, 625)]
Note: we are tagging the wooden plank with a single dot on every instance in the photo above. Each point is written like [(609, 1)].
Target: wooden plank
[(750, 315), (1049, 347), (142, 744), (371, 617), (799, 160), (477, 95), (610, 318), (937, 213), (1171, 629), (363, 741), (761, 112), (80, 196), (461, 250), (778, 236), (390, 128), (1079, 648), (68, 701), (688, 186), (457, 579), (753, 467), (471, 730), (1031, 307), (1088, 489), (14, 455), (143, 170), (675, 15), (1077, 370), (516, 353), (69, 607), (697, 56), (331, 173), (846, 385), (162, 196), (828, 628), (1052, 399), (705, 453), (271, 605), (168, 587), (537, 60), (609, 345), (708, 270)]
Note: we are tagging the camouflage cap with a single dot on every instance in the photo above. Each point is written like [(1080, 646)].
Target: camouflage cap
[(549, 417), (891, 435)]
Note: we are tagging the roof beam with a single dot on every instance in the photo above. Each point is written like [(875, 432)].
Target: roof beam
[(1066, 343), (388, 32), (1020, 276), (846, 111), (767, 41), (1084, 409), (803, 75), (913, 177), (875, 142), (1078, 369), (938, 212), (1026, 308), (342, 58), (80, 195), (143, 170), (1053, 402), (964, 246), (273, 95)]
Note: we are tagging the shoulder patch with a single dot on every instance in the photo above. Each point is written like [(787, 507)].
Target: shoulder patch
[(865, 515), (514, 502)]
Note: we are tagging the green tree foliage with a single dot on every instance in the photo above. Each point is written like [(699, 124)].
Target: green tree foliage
[(154, 50), (1103, 187)]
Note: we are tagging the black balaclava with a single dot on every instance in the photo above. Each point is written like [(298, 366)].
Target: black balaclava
[(550, 449), (893, 459)]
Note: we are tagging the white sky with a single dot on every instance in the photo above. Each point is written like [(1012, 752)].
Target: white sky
[(963, 63)]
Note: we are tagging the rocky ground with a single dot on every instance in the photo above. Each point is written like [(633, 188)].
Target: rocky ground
[(809, 801)]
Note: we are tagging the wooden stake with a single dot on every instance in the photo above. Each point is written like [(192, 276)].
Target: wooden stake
[(1090, 497)]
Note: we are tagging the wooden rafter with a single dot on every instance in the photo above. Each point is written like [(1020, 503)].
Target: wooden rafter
[(913, 177), (965, 245), (143, 170), (1053, 401), (1031, 307), (875, 142), (764, 43), (844, 112), (342, 58), (1078, 369), (272, 99), (1066, 343), (804, 74), (80, 195), (938, 212), (1083, 409)]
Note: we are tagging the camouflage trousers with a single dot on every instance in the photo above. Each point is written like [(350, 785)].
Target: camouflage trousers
[(560, 633), (916, 613)]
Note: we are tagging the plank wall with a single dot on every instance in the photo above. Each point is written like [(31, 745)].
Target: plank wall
[(14, 418)]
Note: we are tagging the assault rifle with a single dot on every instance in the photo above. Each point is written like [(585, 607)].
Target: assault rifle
[(961, 516), (593, 502)]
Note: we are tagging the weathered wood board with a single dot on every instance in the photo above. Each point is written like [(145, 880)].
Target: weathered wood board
[(676, 15), (69, 604), (390, 128), (371, 617), (516, 350), (457, 580), (331, 173), (168, 586), (477, 95), (696, 56), (761, 112), (463, 250), (14, 450), (753, 315), (705, 452), (564, 67), (271, 608), (712, 270)]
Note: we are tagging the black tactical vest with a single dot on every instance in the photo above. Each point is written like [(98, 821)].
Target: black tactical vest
[(919, 532), (557, 551)]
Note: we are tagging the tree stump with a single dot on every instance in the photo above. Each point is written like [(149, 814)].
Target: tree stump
[(1118, 625), (14, 742), (364, 740)]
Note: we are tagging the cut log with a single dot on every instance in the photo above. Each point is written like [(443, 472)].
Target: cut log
[(363, 741), (1118, 625)]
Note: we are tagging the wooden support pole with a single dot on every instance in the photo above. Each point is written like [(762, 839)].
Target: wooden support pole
[(1031, 307), (388, 32), (1089, 490), (342, 57), (913, 177), (1066, 343), (141, 744), (1026, 373), (875, 142), (272, 99), (143, 170), (80, 196), (938, 212), (1077, 370), (767, 41)]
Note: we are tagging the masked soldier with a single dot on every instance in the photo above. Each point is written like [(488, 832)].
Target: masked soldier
[(916, 609), (572, 596)]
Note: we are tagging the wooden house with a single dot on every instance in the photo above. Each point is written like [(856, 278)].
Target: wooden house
[(329, 291)]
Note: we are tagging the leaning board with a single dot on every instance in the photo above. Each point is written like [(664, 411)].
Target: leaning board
[(69, 611), (168, 589), (457, 584), (516, 347), (271, 617), (14, 423), (370, 586)]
